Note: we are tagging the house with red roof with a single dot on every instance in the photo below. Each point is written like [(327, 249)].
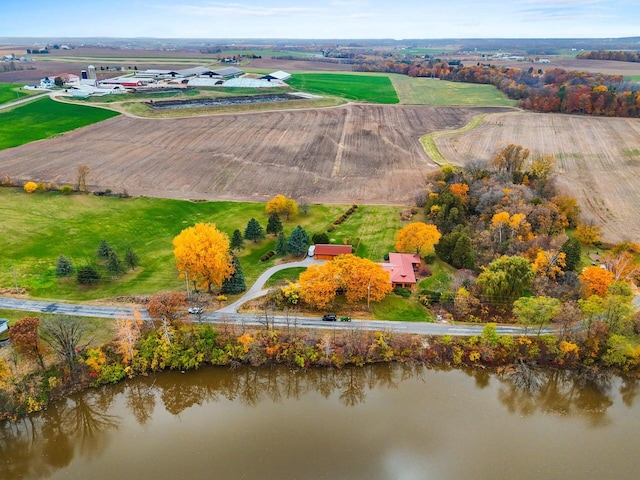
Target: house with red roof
[(402, 269)]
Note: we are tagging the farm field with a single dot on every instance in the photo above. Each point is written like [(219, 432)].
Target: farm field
[(9, 93), (37, 228), (598, 160), (428, 91), (360, 88), (348, 154), (45, 118)]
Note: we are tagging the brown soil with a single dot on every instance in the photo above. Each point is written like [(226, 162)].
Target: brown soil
[(598, 160), (352, 153), (269, 63)]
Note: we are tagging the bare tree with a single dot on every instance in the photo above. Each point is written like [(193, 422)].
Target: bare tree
[(64, 335), (81, 177)]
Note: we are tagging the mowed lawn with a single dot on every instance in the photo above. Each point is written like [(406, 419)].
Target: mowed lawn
[(45, 118), (359, 88), (10, 92), (430, 91), (39, 227)]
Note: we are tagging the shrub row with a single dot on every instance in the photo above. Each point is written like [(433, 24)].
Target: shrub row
[(342, 218), (267, 255)]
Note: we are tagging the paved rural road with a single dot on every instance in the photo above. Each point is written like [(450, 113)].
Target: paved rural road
[(219, 316), (230, 313)]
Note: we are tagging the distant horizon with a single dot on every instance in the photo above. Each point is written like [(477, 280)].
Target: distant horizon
[(324, 20)]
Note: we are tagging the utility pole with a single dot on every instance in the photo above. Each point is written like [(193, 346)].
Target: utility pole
[(15, 280)]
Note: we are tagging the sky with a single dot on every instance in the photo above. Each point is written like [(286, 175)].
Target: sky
[(343, 19)]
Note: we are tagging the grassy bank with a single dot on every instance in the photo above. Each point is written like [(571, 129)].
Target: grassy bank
[(45, 118), (37, 228)]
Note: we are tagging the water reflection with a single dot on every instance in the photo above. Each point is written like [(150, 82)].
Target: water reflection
[(85, 426)]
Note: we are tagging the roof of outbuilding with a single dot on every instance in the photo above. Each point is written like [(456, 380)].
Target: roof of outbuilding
[(400, 267), (327, 249)]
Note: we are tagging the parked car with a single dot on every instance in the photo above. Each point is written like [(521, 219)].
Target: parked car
[(195, 310), (330, 317)]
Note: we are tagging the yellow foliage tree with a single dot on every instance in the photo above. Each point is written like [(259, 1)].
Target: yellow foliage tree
[(30, 187), (596, 281), (127, 336), (549, 263), (543, 167), (588, 233), (202, 251), (281, 205), (361, 278), (417, 237)]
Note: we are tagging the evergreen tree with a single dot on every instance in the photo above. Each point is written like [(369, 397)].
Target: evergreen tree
[(131, 259), (254, 231), (462, 254), (104, 250), (237, 240), (298, 241), (573, 251), (87, 274), (274, 225), (64, 267), (114, 265), (321, 237), (235, 283), (281, 245)]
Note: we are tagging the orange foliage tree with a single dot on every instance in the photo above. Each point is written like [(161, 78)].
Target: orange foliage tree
[(460, 190), (359, 278), (26, 340), (281, 205), (319, 284), (202, 251), (596, 281), (417, 237)]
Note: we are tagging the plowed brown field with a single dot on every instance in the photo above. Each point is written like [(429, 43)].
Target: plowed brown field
[(352, 153), (598, 160)]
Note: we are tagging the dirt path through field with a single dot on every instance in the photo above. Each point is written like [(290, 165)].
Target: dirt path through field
[(598, 159), (353, 153)]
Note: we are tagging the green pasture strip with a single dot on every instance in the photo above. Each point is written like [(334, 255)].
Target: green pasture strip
[(45, 118), (632, 78), (360, 88), (10, 92), (39, 227), (429, 144), (431, 91)]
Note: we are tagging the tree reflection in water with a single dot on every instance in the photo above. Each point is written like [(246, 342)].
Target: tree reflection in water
[(38, 445), (587, 393)]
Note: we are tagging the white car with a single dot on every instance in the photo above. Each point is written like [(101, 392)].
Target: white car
[(195, 310)]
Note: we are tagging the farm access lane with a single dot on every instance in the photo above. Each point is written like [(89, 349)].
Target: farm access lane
[(7, 303)]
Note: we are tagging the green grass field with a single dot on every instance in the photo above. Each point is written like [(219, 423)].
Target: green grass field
[(428, 91), (37, 228), (360, 88), (10, 92), (45, 118), (632, 78)]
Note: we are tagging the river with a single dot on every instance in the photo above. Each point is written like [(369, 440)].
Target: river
[(384, 422)]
